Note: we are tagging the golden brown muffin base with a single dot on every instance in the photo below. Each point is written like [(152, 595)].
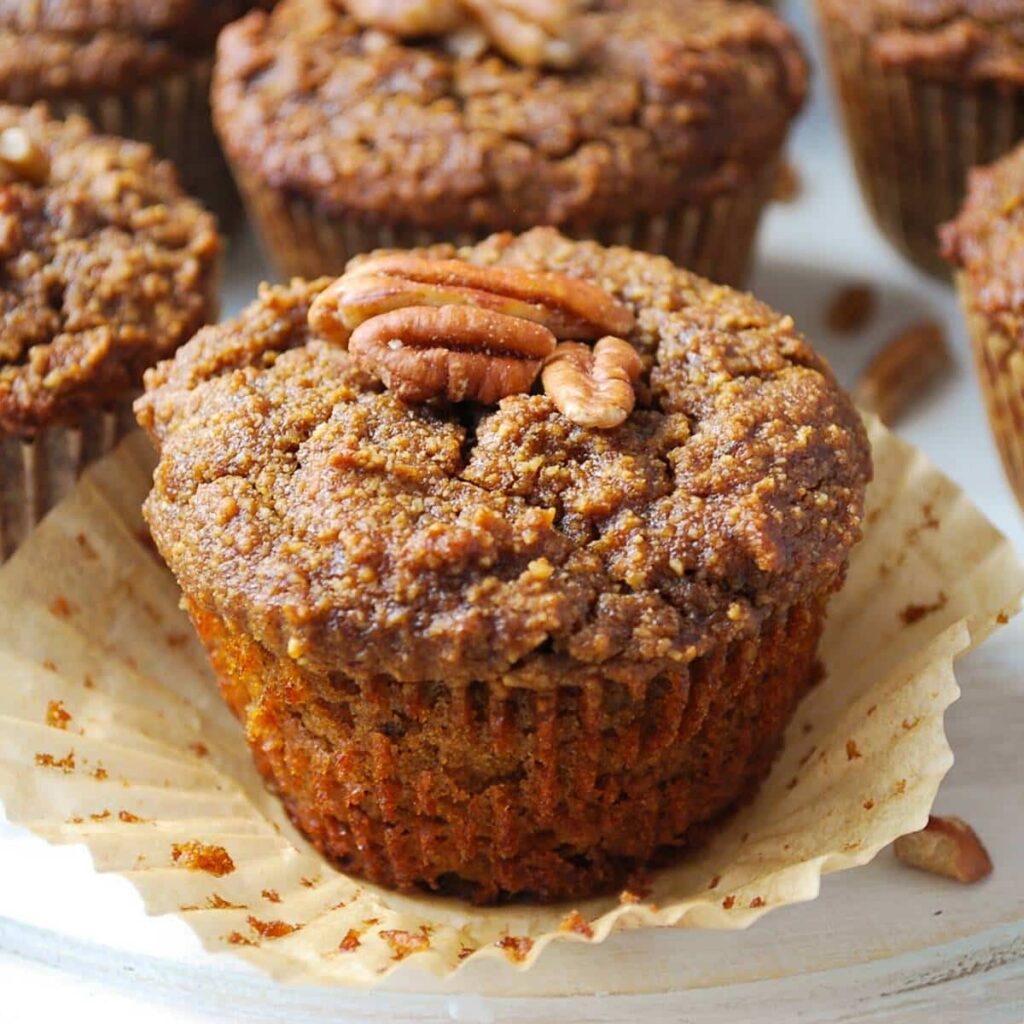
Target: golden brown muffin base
[(913, 139), (494, 794), (714, 239), (1000, 365), (172, 114), (37, 474)]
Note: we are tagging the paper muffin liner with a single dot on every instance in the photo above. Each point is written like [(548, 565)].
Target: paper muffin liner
[(1000, 365), (913, 140), (172, 114), (608, 775), (714, 238), (37, 474), (112, 734)]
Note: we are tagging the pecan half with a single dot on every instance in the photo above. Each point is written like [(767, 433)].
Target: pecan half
[(459, 352), (903, 371), (567, 306), (21, 158), (946, 846), (593, 387)]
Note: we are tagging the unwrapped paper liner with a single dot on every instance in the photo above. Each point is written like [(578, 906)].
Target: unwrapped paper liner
[(112, 734)]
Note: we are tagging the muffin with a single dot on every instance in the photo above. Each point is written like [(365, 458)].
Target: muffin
[(928, 90), (106, 267), (493, 634), (986, 246), (140, 70), (654, 123)]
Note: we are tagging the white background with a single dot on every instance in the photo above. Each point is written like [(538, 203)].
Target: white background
[(884, 944)]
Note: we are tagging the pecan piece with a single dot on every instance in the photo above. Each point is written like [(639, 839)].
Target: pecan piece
[(567, 306), (21, 158), (946, 846), (533, 33), (593, 387), (903, 371), (459, 352), (408, 17)]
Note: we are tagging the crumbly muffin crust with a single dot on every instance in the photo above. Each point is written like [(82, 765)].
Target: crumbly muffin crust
[(106, 268), (66, 47), (960, 40), (305, 506), (986, 241), (672, 101)]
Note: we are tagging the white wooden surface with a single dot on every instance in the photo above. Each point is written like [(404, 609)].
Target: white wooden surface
[(880, 944)]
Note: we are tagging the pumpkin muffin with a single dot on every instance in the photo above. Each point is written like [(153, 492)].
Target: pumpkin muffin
[(496, 630), (140, 70), (106, 267), (354, 124), (986, 246), (928, 90)]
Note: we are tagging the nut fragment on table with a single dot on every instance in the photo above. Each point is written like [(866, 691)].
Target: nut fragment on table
[(903, 371), (21, 158), (948, 847), (593, 387), (461, 353), (851, 309), (566, 306)]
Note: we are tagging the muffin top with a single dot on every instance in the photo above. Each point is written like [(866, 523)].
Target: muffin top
[(67, 47), (651, 102), (305, 503), (106, 267), (979, 40), (986, 240)]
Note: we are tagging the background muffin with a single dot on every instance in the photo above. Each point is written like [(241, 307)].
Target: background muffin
[(986, 244), (655, 124), (484, 649), (928, 90), (139, 70), (106, 268)]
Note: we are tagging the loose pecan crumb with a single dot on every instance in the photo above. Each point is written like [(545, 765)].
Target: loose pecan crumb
[(57, 716), (916, 612), (576, 923), (99, 773), (196, 856), (66, 764), (62, 607), (130, 819), (238, 939), (851, 309), (271, 929), (516, 947), (729, 902), (852, 751), (948, 847), (350, 942), (199, 748), (21, 158), (272, 895), (903, 371), (757, 901), (405, 943), (593, 387)]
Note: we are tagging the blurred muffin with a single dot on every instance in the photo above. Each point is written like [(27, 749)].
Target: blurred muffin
[(928, 90), (653, 123), (507, 646), (986, 246), (106, 268), (140, 70)]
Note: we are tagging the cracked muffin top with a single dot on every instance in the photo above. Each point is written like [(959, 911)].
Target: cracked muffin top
[(972, 40), (302, 501), (105, 267), (64, 47), (653, 102), (986, 240)]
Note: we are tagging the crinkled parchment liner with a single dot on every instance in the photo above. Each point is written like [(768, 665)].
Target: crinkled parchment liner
[(139, 754)]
